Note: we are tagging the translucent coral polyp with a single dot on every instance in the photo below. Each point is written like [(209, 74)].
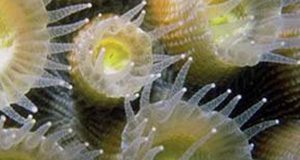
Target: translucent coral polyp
[(25, 46), (224, 35), (114, 57), (177, 129), (22, 143)]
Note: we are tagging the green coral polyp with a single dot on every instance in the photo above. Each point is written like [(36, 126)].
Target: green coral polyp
[(116, 52), (114, 57)]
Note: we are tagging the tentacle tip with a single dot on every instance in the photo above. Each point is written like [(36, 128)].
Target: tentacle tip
[(277, 121), (190, 59), (213, 85), (214, 130), (90, 5), (144, 2), (229, 91), (252, 146), (70, 130), (161, 148), (153, 129), (103, 50), (86, 20), (264, 100), (184, 89), (136, 95), (86, 144), (146, 120), (298, 62), (158, 75), (146, 139), (101, 151), (33, 121), (99, 14), (34, 110), (143, 12), (70, 87), (183, 56), (239, 96), (3, 118), (49, 124), (30, 117)]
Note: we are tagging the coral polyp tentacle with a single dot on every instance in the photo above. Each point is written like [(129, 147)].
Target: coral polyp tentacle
[(114, 57), (59, 14), (176, 129), (25, 45), (22, 143), (225, 35), (58, 31), (133, 12)]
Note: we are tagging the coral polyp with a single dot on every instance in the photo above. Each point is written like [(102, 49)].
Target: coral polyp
[(228, 34), (279, 143), (177, 129), (24, 48), (114, 57), (21, 143)]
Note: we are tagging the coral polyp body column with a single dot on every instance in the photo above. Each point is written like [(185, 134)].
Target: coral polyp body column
[(224, 35), (24, 48)]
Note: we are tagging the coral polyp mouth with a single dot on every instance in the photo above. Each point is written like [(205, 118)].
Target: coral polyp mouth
[(117, 55)]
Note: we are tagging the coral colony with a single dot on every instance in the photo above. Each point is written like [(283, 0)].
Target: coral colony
[(111, 63)]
